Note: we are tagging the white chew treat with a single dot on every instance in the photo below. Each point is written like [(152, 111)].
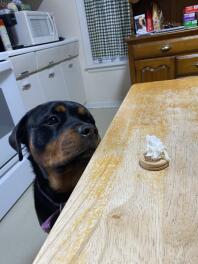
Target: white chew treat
[(155, 149)]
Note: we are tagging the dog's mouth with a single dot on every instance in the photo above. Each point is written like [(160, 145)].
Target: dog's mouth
[(82, 157)]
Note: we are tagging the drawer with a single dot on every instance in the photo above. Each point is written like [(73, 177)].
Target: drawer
[(158, 69), (165, 47), (31, 91), (24, 64), (187, 64), (47, 57), (74, 49), (69, 50)]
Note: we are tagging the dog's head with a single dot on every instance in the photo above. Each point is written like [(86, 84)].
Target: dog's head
[(56, 135)]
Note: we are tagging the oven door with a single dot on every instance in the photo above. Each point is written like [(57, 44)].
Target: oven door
[(11, 109)]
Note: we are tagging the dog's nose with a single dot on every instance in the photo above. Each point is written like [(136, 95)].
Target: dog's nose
[(87, 130)]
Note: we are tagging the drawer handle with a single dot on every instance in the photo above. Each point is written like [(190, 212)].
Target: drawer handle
[(52, 75), (24, 74), (196, 64), (26, 87), (70, 65), (165, 48), (51, 62)]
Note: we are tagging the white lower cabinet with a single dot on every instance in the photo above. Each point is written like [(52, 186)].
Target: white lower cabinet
[(31, 91), (53, 83), (73, 78), (50, 74)]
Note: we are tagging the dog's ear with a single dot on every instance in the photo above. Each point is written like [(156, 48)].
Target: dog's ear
[(19, 136)]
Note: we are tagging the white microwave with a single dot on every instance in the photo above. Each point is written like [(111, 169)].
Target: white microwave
[(34, 27)]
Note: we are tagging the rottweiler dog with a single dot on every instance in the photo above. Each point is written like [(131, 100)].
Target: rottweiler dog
[(61, 137)]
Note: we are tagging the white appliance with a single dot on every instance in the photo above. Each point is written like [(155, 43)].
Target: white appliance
[(15, 176), (11, 109), (34, 27)]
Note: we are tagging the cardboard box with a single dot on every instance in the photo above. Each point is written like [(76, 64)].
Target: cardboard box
[(190, 16), (192, 23), (190, 9)]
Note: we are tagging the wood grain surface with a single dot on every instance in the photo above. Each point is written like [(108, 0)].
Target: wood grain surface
[(121, 213)]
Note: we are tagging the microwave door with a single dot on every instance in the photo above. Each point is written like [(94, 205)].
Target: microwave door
[(40, 29), (52, 27), (43, 29)]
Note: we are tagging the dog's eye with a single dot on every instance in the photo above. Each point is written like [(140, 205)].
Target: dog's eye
[(51, 120)]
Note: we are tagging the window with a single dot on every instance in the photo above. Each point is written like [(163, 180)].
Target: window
[(104, 25)]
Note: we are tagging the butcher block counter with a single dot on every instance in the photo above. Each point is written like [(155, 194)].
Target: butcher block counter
[(121, 213)]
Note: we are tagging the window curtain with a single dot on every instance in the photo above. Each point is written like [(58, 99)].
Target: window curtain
[(108, 24)]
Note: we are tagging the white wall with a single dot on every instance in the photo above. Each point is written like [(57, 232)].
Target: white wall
[(101, 86)]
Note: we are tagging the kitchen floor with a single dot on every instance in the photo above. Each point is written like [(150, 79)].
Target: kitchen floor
[(20, 233)]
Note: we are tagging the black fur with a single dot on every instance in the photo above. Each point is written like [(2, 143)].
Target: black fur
[(61, 137)]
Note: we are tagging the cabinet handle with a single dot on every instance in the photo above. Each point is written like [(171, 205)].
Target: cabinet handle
[(51, 62), (196, 64), (26, 87), (70, 65), (165, 47), (24, 74), (52, 75), (152, 69)]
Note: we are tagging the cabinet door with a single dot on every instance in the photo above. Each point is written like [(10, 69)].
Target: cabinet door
[(53, 84), (31, 91), (73, 78), (155, 69)]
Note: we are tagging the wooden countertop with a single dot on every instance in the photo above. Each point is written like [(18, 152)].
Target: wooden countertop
[(120, 213)]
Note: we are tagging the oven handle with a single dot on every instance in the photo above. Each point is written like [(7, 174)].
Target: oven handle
[(5, 66)]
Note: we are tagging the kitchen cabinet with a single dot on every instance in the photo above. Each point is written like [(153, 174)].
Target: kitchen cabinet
[(49, 74), (187, 64), (155, 69), (24, 64), (31, 91), (53, 83), (73, 78), (163, 56)]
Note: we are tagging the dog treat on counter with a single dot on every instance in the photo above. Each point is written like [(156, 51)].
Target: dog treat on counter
[(156, 156)]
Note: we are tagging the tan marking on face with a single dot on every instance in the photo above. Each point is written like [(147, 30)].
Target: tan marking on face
[(82, 110), (58, 151), (64, 181), (67, 180), (64, 148), (60, 108)]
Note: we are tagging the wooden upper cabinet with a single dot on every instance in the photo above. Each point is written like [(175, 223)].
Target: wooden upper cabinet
[(155, 70), (165, 55)]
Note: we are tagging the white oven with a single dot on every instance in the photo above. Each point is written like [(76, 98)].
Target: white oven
[(11, 109), (15, 176)]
